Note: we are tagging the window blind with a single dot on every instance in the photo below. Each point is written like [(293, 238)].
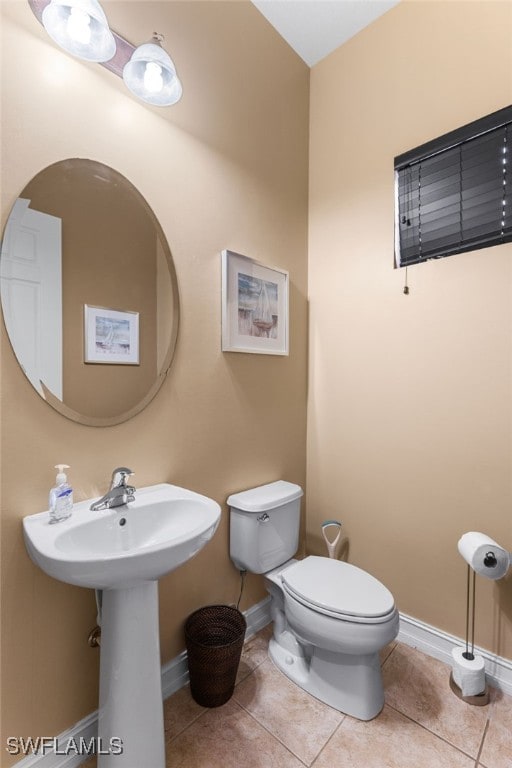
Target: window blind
[(454, 194)]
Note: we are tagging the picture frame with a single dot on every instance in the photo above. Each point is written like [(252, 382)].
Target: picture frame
[(111, 336), (255, 306)]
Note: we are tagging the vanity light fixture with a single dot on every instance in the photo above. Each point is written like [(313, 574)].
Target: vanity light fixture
[(81, 28), (151, 75)]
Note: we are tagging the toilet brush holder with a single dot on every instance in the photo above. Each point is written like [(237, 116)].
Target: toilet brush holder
[(334, 527)]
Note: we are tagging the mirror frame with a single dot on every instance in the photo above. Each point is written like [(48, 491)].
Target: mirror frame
[(49, 397)]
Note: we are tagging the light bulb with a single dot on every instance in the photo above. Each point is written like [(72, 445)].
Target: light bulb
[(153, 81), (78, 26), (150, 74)]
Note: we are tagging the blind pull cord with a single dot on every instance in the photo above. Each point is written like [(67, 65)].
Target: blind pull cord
[(406, 287)]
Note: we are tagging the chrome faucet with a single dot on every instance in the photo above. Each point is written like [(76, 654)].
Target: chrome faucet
[(119, 493)]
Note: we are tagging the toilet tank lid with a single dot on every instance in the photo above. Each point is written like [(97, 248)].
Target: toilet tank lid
[(265, 497)]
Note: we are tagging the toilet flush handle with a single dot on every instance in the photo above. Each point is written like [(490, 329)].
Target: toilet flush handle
[(264, 518)]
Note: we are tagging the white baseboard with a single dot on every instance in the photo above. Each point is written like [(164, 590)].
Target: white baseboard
[(174, 677), (257, 617), (86, 729), (434, 642)]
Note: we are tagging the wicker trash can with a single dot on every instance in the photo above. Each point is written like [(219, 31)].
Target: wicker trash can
[(214, 636)]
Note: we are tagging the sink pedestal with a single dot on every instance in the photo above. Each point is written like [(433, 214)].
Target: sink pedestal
[(130, 706)]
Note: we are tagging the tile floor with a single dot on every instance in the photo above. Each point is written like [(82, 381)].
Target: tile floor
[(270, 723)]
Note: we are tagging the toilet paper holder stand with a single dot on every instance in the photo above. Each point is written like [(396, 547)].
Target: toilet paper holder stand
[(480, 699)]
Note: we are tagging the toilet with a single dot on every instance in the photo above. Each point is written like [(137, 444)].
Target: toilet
[(330, 618)]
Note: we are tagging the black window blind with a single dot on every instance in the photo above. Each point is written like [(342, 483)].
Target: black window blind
[(454, 194)]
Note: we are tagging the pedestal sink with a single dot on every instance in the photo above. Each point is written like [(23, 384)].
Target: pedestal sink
[(123, 552)]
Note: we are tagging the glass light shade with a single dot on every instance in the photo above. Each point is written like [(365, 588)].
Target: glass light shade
[(151, 75), (81, 28)]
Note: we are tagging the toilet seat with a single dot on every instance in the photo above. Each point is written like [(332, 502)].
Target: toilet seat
[(338, 589)]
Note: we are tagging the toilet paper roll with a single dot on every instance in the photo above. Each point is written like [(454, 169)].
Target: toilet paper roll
[(484, 555), (468, 674)]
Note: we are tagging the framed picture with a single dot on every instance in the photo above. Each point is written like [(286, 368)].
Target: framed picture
[(254, 306), (111, 336)]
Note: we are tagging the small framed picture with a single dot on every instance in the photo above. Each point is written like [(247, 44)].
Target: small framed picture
[(111, 336), (254, 306)]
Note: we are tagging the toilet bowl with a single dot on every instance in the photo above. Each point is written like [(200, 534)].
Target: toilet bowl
[(331, 619)]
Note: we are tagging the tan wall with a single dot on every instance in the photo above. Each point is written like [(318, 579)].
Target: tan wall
[(410, 398), (225, 168)]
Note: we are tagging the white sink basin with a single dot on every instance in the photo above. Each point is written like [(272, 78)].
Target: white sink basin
[(124, 546)]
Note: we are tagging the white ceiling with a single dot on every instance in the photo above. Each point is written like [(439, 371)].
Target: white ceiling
[(314, 28)]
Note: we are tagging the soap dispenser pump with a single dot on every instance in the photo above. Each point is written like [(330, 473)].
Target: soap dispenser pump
[(60, 503)]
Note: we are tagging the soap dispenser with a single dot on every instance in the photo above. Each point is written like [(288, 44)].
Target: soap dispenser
[(61, 496)]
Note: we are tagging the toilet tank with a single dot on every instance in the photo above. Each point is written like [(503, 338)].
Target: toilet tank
[(264, 526)]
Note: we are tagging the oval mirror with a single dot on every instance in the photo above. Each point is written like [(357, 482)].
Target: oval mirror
[(89, 292)]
